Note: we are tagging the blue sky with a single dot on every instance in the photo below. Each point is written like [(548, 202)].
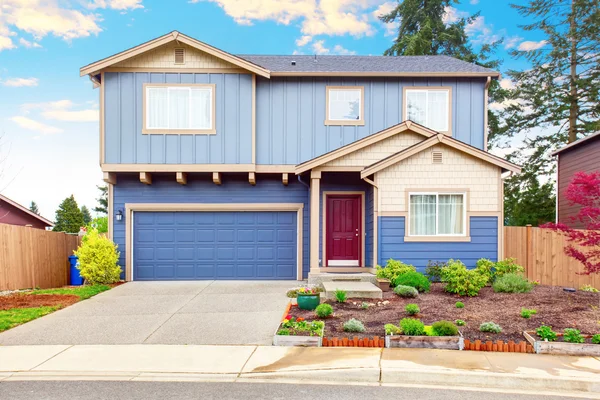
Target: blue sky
[(49, 115)]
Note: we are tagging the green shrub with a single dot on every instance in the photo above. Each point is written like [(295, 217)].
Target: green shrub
[(588, 288), (490, 327), (354, 325), (573, 336), (323, 310), (527, 312), (459, 304), (341, 296), (412, 327), (512, 283), (596, 338), (412, 309), (461, 280), (98, 257), (393, 269), (406, 291), (433, 270), (486, 267), (284, 332), (444, 328), (364, 305), (391, 329), (546, 333), (508, 266), (414, 279), (460, 322)]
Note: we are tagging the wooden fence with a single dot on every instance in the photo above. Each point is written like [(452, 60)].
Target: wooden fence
[(32, 257), (541, 252)]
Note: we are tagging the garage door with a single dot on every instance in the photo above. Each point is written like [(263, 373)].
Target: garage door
[(214, 245)]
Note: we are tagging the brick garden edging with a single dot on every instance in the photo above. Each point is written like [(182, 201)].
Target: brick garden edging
[(376, 341), (499, 346)]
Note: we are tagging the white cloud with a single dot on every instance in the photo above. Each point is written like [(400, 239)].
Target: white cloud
[(6, 43), (452, 15), (529, 45), (474, 2), (116, 4), (303, 41), (319, 47), (337, 49), (391, 28), (512, 42), (506, 83), (19, 82), (62, 110), (28, 44), (32, 125)]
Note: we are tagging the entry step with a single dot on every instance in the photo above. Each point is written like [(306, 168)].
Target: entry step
[(354, 290)]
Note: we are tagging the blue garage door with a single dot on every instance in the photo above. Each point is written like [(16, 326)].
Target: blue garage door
[(214, 245)]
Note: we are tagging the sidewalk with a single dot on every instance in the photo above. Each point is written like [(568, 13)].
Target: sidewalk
[(507, 371)]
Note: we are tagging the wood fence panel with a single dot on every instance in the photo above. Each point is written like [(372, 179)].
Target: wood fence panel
[(32, 257), (541, 252)]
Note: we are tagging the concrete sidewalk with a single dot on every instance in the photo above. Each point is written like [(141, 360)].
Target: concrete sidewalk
[(506, 371)]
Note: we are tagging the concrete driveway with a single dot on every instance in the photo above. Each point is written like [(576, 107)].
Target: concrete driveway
[(202, 312)]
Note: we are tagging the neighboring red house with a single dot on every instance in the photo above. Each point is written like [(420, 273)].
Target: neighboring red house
[(15, 214), (581, 155)]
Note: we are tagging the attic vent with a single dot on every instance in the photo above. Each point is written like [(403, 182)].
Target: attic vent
[(436, 157), (179, 56)]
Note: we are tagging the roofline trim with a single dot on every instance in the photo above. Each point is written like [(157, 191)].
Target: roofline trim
[(391, 74), (576, 143), (26, 210)]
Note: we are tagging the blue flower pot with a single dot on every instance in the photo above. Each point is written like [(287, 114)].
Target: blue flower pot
[(308, 301)]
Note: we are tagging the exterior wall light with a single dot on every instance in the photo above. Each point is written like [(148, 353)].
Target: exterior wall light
[(119, 215)]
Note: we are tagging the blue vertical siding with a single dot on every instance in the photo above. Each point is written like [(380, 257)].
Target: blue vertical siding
[(200, 189), (484, 244), (125, 143)]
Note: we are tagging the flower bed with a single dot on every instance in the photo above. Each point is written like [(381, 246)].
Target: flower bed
[(560, 346), (425, 342), (296, 331)]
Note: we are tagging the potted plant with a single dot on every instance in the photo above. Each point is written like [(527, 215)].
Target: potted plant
[(308, 297), (384, 284)]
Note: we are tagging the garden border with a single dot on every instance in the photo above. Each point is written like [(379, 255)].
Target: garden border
[(562, 348), (499, 346)]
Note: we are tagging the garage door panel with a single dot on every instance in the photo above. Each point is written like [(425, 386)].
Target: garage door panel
[(214, 245)]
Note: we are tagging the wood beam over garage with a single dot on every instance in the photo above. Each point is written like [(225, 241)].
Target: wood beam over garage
[(252, 178), (110, 177), (146, 177), (217, 178), (181, 178), (285, 179)]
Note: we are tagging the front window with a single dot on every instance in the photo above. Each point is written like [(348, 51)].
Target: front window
[(437, 214), (179, 108), (345, 105), (429, 107)]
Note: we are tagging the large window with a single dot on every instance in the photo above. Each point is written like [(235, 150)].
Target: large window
[(437, 214), (345, 105), (429, 107), (179, 108)]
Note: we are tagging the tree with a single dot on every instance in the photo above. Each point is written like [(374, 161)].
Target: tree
[(584, 245), (34, 208), (102, 206), (87, 217), (526, 201), (68, 216)]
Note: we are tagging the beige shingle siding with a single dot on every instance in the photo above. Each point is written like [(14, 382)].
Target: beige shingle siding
[(459, 170), (164, 57)]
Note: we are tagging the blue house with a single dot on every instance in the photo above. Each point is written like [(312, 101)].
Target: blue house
[(223, 166)]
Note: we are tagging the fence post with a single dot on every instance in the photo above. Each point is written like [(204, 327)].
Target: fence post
[(529, 252)]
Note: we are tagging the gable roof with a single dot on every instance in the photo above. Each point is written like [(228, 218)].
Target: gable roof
[(595, 135), (364, 142), (326, 65), (432, 141), (26, 210), (93, 68)]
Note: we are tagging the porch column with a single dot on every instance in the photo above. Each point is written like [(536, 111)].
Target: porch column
[(315, 194)]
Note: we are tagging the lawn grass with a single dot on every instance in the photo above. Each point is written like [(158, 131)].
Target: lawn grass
[(17, 316), (84, 292)]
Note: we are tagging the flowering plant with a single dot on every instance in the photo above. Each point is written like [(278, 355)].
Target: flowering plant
[(307, 290), (294, 326)]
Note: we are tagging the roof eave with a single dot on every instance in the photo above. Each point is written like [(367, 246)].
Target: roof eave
[(494, 75)]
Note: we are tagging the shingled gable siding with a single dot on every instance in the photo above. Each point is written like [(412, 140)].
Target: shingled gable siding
[(125, 143), (290, 114), (484, 244), (201, 189)]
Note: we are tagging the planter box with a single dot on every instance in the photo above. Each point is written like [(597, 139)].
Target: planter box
[(425, 342), (384, 284), (563, 348), (301, 341)]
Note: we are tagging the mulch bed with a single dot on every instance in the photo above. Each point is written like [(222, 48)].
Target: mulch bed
[(19, 300), (554, 306)]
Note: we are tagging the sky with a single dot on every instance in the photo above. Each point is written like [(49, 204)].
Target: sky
[(49, 114)]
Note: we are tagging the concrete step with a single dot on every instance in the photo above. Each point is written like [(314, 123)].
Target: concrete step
[(318, 278), (354, 290)]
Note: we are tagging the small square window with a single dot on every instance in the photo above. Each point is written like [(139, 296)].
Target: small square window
[(345, 105)]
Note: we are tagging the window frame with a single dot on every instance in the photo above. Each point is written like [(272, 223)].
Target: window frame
[(465, 196), (448, 89), (344, 122), (179, 131)]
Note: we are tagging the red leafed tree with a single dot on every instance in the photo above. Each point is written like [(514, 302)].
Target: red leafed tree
[(584, 245)]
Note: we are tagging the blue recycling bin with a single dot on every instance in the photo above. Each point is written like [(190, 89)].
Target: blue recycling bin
[(76, 279)]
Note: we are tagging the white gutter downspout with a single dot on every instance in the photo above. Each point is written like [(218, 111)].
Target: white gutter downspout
[(375, 219), (485, 113)]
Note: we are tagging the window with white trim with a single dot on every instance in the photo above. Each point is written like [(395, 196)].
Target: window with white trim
[(179, 108), (345, 104), (437, 214), (429, 107)]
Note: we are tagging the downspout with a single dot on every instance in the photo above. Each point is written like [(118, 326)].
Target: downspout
[(485, 113), (376, 230), (302, 182)]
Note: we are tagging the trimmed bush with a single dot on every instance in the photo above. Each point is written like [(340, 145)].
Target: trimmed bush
[(490, 327), (391, 329), (573, 336), (546, 333), (444, 328), (406, 291), (414, 279), (433, 270), (354, 325), (459, 304), (412, 309), (341, 296), (588, 288), (460, 322), (393, 269), (596, 338), (412, 327), (508, 266), (323, 310), (512, 283), (527, 313), (98, 257), (461, 280), (486, 267)]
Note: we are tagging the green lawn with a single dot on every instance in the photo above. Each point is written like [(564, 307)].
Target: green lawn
[(84, 292), (17, 316)]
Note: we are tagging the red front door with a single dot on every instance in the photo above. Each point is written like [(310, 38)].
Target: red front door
[(343, 230)]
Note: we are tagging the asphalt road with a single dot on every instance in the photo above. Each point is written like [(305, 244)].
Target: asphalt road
[(101, 390)]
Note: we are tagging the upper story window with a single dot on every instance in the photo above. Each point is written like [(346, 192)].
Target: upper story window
[(345, 105), (428, 107), (179, 108), (437, 214)]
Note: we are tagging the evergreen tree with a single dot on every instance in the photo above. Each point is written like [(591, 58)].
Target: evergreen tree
[(34, 208), (102, 206), (68, 216), (87, 217), (526, 201)]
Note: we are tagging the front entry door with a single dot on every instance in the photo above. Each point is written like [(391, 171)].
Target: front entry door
[(343, 230)]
